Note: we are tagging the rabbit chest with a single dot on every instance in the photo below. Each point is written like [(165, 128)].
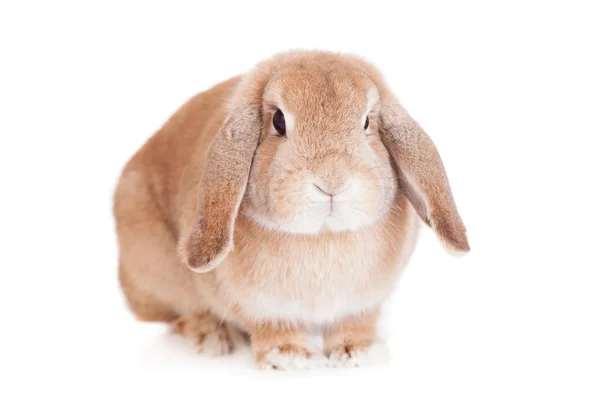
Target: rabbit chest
[(315, 280)]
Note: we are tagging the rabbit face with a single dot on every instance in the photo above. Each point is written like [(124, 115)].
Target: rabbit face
[(320, 164)]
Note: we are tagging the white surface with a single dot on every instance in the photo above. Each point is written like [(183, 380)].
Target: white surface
[(509, 93)]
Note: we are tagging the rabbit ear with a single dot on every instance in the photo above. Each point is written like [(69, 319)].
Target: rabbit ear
[(423, 175), (222, 188)]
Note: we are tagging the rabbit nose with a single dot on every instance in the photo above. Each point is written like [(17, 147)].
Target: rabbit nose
[(329, 191), (323, 190), (320, 189)]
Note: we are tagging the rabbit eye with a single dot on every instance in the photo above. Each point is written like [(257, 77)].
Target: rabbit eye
[(367, 123), (279, 122)]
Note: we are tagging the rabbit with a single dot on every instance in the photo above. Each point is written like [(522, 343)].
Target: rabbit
[(280, 203)]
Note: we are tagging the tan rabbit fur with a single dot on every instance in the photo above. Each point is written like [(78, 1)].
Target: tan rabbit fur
[(226, 225)]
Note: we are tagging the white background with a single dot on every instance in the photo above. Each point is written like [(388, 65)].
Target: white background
[(509, 91)]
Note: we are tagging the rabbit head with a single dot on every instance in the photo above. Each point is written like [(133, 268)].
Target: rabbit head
[(316, 142)]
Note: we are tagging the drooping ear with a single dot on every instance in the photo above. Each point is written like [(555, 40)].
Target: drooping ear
[(422, 175), (222, 188)]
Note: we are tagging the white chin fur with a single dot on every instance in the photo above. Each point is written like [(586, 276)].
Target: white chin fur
[(339, 222)]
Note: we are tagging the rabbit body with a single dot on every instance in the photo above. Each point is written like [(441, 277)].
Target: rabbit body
[(306, 230)]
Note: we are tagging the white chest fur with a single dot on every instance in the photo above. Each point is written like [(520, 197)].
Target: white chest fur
[(314, 285), (319, 310)]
